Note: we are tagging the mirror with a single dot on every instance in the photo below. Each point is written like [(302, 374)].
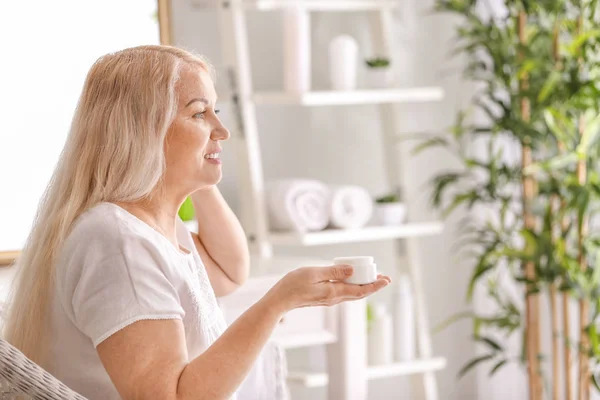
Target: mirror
[(48, 47)]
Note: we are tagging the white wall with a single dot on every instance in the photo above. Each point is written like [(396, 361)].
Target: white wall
[(48, 48), (300, 142)]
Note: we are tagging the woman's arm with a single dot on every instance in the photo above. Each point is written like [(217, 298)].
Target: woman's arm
[(221, 241), (148, 359)]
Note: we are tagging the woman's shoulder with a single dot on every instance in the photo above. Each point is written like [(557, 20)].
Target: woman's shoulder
[(105, 230), (104, 221)]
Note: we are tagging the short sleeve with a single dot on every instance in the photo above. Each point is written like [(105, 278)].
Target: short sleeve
[(121, 288)]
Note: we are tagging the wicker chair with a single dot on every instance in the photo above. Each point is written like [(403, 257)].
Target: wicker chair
[(21, 378)]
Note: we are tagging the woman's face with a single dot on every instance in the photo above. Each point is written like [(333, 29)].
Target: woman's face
[(192, 145)]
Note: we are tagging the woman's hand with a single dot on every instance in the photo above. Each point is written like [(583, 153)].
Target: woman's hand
[(320, 286)]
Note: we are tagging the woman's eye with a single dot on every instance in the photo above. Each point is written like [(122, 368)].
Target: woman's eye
[(200, 115), (217, 111)]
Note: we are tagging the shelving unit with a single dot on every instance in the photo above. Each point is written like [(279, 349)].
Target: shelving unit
[(367, 234), (348, 372), (313, 380), (338, 98)]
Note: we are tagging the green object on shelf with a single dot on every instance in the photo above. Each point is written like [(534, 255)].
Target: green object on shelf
[(391, 198), (378, 62), (370, 316), (186, 212)]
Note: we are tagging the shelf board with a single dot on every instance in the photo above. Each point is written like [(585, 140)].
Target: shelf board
[(310, 5), (322, 5), (293, 341), (308, 380), (406, 368), (336, 236), (332, 98), (367, 234), (313, 380)]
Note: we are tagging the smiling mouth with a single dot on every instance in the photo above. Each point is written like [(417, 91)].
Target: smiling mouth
[(212, 156)]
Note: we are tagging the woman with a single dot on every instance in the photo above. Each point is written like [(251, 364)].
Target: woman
[(115, 297)]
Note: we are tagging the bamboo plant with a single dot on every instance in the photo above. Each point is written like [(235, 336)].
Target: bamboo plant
[(535, 186)]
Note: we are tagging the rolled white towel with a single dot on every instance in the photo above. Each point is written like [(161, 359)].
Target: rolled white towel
[(299, 205), (350, 207)]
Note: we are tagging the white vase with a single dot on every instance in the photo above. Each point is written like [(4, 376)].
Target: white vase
[(380, 78), (404, 320), (343, 62), (389, 214), (296, 50), (380, 337)]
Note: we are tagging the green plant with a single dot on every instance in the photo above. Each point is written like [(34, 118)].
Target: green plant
[(186, 211), (535, 70), (378, 62), (389, 198)]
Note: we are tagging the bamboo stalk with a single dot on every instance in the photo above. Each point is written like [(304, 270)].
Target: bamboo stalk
[(568, 360), (555, 343), (584, 377), (555, 204), (532, 300), (568, 354), (584, 305)]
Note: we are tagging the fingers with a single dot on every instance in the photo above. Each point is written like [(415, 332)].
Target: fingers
[(387, 278), (333, 273), (346, 291)]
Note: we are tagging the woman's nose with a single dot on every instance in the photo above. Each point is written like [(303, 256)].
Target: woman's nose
[(220, 133)]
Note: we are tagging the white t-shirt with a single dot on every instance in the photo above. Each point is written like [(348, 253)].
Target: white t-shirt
[(112, 271)]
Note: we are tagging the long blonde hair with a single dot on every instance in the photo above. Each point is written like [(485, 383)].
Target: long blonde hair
[(114, 152)]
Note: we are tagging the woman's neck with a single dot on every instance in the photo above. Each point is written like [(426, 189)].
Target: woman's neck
[(161, 215)]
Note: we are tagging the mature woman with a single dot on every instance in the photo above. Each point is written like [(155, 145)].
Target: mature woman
[(115, 297)]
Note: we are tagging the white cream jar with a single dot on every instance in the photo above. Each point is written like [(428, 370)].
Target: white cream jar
[(365, 270)]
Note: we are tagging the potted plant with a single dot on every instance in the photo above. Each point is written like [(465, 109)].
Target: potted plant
[(186, 211), (389, 210), (536, 71), (379, 72)]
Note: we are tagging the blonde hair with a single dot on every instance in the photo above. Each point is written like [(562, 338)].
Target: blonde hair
[(114, 152)]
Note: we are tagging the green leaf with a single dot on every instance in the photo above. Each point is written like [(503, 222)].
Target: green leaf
[(499, 365), (549, 86), (554, 164), (593, 335), (433, 142), (458, 200), (455, 318), (478, 273), (527, 67), (595, 382), (581, 39), (474, 363), (590, 135), (490, 342)]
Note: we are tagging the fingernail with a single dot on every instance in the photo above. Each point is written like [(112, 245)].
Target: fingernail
[(348, 270)]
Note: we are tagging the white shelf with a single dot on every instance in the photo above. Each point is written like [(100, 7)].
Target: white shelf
[(309, 380), (293, 341), (312, 380), (311, 5), (322, 5), (332, 98), (406, 368), (367, 234)]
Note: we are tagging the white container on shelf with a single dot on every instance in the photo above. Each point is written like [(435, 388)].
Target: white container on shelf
[(389, 214), (296, 50), (380, 78), (343, 62), (380, 339), (404, 321)]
